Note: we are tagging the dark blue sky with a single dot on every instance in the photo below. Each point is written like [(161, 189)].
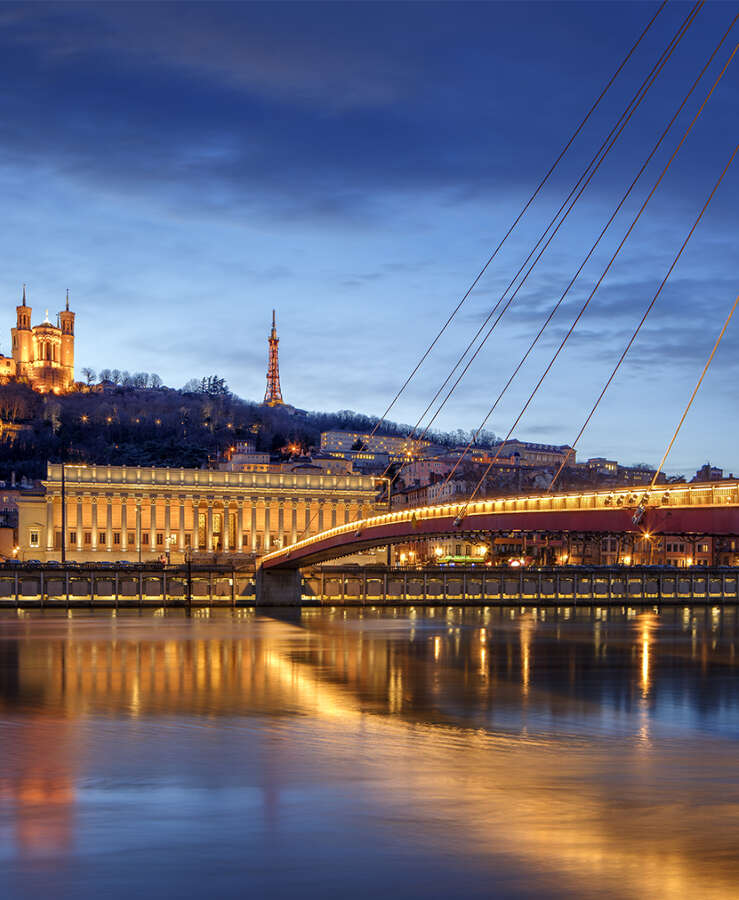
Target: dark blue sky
[(185, 168)]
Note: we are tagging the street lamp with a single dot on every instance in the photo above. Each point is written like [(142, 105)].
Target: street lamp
[(170, 540), (64, 507)]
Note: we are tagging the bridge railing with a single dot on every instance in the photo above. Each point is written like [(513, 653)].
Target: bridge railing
[(663, 496)]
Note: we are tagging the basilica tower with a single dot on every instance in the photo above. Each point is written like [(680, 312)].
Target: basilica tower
[(66, 321), (22, 337)]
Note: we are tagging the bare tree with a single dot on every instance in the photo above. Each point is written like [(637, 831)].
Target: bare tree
[(89, 374), (116, 376), (155, 381), (106, 375)]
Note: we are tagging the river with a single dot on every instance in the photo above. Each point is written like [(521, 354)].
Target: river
[(384, 753)]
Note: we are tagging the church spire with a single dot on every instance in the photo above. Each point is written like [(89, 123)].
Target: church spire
[(24, 296), (67, 299)]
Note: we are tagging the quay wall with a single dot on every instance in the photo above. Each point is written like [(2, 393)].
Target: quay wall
[(183, 586)]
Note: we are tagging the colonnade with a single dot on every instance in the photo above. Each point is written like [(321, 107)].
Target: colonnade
[(140, 523)]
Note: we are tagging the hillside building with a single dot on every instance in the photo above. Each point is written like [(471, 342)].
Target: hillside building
[(42, 355)]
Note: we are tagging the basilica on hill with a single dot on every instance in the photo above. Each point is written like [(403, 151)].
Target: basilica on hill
[(43, 355)]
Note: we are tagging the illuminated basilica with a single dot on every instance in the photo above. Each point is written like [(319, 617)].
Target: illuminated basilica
[(43, 355)]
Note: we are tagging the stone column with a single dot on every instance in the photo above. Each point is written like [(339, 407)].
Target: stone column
[(320, 515), (209, 534), (181, 538), (195, 523), (225, 536), (281, 523), (49, 523), (94, 501), (124, 524), (253, 524), (108, 523), (167, 520), (240, 526), (267, 534), (138, 525), (294, 522), (80, 531), (333, 515), (152, 525)]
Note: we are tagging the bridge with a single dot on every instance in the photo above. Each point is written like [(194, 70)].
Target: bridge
[(708, 509), (698, 509)]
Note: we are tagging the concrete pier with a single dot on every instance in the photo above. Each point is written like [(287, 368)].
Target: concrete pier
[(279, 587)]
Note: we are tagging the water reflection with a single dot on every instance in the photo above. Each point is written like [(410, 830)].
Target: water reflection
[(557, 749)]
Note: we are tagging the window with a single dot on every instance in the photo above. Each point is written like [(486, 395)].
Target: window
[(188, 539), (145, 538), (116, 537), (57, 540), (87, 538), (73, 538), (131, 538), (33, 538), (160, 539), (101, 538)]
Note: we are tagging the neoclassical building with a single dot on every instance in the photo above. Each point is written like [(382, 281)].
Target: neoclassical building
[(134, 513), (43, 354)]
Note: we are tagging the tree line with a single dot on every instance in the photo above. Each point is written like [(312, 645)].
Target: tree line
[(135, 420)]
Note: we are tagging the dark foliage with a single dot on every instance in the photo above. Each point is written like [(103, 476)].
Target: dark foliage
[(125, 424)]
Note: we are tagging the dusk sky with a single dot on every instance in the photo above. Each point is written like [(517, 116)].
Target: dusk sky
[(185, 168)]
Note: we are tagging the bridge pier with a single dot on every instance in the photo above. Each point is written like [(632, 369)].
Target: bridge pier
[(278, 587)]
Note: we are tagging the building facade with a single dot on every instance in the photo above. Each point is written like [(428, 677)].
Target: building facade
[(397, 448), (43, 354), (137, 513)]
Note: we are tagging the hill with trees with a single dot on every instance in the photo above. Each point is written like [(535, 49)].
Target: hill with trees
[(134, 420)]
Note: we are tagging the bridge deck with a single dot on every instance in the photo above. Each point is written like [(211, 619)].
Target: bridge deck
[(709, 508)]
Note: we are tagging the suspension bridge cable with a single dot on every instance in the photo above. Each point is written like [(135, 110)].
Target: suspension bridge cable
[(644, 317), (579, 187), (605, 147), (517, 219), (549, 318), (609, 141), (598, 283), (695, 389)]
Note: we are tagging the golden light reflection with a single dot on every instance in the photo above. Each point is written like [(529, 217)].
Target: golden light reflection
[(492, 789), (648, 623), (527, 626)]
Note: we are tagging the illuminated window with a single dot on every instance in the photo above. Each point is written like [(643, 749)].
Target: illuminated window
[(33, 538), (188, 539)]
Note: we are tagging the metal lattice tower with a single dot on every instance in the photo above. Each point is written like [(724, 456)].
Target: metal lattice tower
[(273, 394)]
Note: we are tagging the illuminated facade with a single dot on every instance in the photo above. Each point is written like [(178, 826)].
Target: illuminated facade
[(131, 513), (397, 448), (42, 354)]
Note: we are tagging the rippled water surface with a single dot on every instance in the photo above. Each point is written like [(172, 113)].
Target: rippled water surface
[(388, 753)]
